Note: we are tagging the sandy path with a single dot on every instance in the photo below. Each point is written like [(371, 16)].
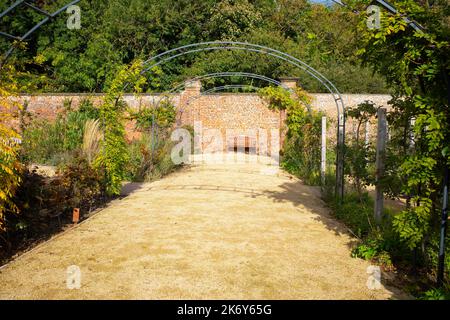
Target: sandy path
[(216, 232)]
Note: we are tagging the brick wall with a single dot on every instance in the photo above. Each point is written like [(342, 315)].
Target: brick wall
[(216, 111)]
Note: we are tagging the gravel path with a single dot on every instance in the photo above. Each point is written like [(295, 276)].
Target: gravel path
[(208, 231)]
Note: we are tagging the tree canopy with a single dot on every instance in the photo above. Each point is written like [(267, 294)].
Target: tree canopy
[(114, 33)]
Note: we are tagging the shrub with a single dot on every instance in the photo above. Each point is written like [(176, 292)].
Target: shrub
[(10, 166), (52, 142), (150, 159), (45, 204), (114, 157), (161, 115), (163, 164), (373, 248), (42, 141), (39, 199), (150, 155), (355, 211), (88, 109), (301, 155), (432, 251), (436, 294), (359, 155), (140, 158)]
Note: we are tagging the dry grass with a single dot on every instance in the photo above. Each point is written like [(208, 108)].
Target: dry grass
[(91, 139), (217, 232)]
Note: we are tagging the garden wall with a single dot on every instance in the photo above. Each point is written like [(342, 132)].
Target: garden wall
[(219, 111)]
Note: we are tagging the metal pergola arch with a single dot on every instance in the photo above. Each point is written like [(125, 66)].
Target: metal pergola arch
[(171, 54), (212, 76), (27, 3), (445, 188), (341, 119), (238, 86), (216, 45), (228, 74)]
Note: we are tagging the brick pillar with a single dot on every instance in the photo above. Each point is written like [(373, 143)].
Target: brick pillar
[(290, 83), (191, 90)]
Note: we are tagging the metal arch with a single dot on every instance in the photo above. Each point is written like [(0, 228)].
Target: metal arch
[(222, 88), (231, 74), (225, 87), (48, 17), (219, 75), (230, 86), (229, 45)]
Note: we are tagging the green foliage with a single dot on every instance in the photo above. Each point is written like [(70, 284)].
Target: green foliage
[(51, 142), (140, 162), (378, 242), (163, 164), (162, 115), (301, 156), (356, 211), (86, 60), (399, 146), (114, 156), (404, 56), (375, 247), (360, 156), (365, 251), (150, 157), (42, 140), (294, 103), (432, 252), (88, 109), (230, 19), (436, 294)]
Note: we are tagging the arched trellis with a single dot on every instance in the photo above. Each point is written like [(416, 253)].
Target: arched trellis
[(225, 87), (341, 118), (27, 3), (213, 76), (171, 54), (220, 75), (221, 45), (228, 75), (241, 74), (230, 86)]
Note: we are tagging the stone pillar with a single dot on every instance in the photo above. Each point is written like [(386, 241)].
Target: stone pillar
[(192, 87), (290, 83), (187, 103)]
